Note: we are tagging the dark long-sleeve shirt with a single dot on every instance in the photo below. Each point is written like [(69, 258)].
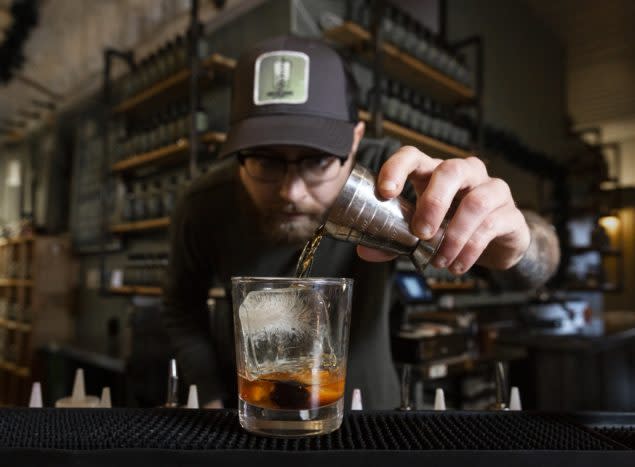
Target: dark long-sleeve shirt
[(214, 235)]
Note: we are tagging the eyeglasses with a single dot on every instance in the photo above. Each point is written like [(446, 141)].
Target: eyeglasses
[(268, 167)]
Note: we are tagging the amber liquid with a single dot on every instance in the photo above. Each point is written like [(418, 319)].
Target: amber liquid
[(305, 261), (303, 390)]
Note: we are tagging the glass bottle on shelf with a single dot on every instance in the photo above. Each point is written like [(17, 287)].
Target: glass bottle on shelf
[(414, 120), (412, 35), (184, 183), (365, 14), (153, 207), (184, 121), (142, 73), (403, 116), (426, 116), (180, 55), (445, 128), (435, 121), (398, 36), (392, 103), (444, 58), (432, 53), (172, 125), (169, 58), (169, 195), (128, 208), (387, 22), (161, 68), (423, 42), (153, 69), (143, 139), (202, 47), (140, 201), (162, 130), (202, 119)]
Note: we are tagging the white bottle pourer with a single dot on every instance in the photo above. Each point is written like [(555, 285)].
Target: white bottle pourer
[(514, 399), (35, 401), (192, 398), (105, 401), (78, 399), (356, 403), (439, 399)]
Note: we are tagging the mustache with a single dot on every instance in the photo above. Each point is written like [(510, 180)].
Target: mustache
[(291, 208)]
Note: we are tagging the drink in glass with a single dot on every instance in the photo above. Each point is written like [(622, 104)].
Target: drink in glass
[(291, 348)]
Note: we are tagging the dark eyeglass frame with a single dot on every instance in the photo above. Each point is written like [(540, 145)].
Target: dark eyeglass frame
[(284, 162)]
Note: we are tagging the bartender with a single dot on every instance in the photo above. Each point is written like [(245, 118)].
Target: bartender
[(294, 137)]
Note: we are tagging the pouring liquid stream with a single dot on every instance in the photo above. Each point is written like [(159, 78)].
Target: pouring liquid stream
[(303, 268)]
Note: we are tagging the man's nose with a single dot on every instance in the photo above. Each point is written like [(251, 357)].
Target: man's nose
[(293, 187)]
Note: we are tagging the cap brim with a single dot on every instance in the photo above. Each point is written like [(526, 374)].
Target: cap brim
[(325, 134)]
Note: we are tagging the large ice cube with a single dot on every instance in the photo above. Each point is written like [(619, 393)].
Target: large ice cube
[(284, 330)]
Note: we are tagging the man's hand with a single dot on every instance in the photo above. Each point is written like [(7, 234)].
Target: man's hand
[(484, 227)]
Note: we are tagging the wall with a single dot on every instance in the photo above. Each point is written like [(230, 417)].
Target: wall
[(523, 80)]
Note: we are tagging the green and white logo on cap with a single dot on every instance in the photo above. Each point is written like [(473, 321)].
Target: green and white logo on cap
[(281, 77)]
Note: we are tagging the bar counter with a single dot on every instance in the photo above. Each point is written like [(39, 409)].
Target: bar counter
[(214, 437)]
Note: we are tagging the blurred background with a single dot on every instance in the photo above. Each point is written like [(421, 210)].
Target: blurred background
[(110, 108)]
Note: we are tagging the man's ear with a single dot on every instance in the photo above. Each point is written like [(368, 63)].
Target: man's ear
[(358, 134)]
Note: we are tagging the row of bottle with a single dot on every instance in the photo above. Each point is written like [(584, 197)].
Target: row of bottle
[(13, 268), (409, 35), (163, 129), (9, 349), (14, 311), (153, 199), (146, 269), (168, 60), (402, 105)]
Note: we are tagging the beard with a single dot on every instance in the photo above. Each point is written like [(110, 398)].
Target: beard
[(279, 227)]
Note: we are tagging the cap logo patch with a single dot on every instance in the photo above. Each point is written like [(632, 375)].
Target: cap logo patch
[(281, 77)]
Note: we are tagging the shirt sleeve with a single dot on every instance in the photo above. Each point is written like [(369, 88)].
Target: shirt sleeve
[(185, 313)]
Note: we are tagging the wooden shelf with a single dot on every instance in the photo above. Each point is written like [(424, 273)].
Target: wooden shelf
[(9, 324), (179, 78), (20, 371), (429, 145), (16, 282), (137, 290), (404, 66), (164, 154), (16, 240), (149, 224)]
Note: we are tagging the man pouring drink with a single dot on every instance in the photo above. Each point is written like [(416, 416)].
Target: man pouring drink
[(294, 140)]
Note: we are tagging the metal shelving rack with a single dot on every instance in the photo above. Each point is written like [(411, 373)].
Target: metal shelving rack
[(389, 61), (190, 79)]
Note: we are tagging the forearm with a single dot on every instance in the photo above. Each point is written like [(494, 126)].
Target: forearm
[(540, 261)]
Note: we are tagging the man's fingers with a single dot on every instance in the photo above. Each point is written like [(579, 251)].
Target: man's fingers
[(473, 213), (450, 177), (499, 223), (373, 255), (400, 166)]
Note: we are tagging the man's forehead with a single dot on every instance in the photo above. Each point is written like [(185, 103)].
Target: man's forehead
[(286, 151)]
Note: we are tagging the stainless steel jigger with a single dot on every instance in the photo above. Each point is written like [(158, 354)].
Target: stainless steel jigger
[(359, 216)]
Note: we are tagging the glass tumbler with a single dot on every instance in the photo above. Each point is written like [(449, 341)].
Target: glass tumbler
[(291, 348)]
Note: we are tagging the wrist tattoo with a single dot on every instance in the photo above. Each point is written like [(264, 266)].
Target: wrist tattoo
[(541, 259)]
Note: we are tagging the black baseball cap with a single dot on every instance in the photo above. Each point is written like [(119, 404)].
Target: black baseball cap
[(292, 91)]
